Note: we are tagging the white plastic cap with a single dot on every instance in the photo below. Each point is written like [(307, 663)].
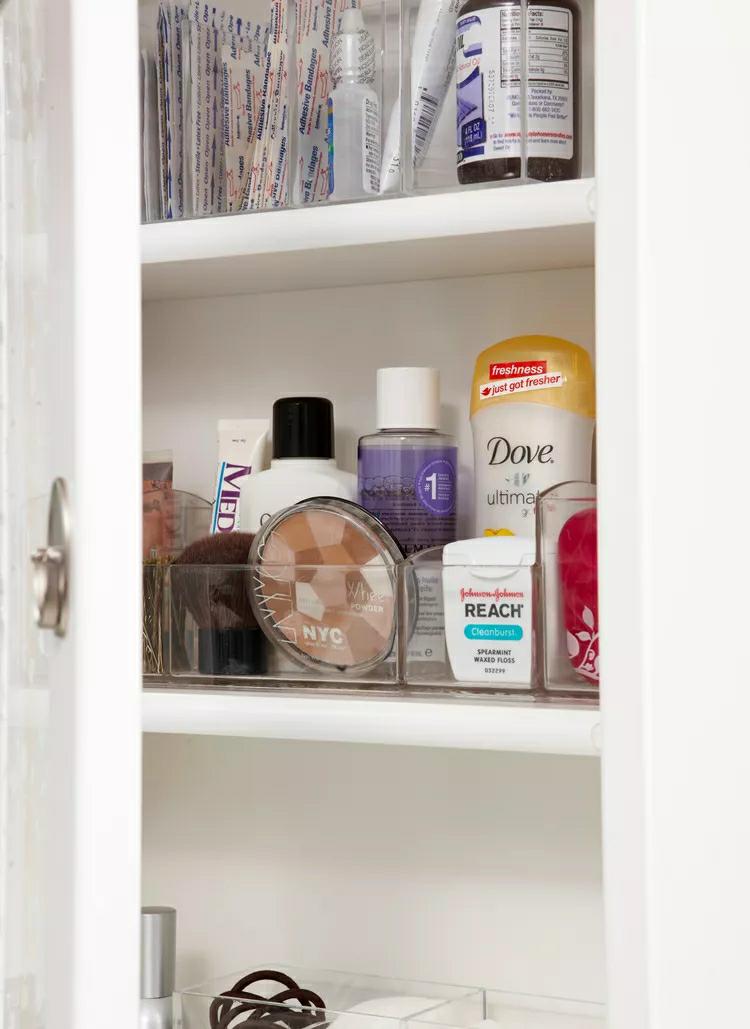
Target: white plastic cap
[(408, 398), (491, 552), (353, 51), (352, 20)]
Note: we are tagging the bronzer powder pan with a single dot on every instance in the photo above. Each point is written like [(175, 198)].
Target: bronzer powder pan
[(323, 585)]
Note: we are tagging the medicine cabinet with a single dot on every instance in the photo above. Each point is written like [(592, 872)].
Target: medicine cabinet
[(559, 849)]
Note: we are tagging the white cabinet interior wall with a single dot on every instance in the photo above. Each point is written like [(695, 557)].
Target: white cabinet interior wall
[(438, 864), (468, 867), (448, 865)]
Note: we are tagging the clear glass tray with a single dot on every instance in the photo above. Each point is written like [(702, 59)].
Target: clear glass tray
[(206, 152), (419, 626), (299, 998)]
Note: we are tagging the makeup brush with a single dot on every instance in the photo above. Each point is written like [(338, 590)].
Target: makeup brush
[(209, 578)]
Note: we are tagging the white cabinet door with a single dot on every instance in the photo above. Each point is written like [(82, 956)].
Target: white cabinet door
[(673, 359), (70, 389)]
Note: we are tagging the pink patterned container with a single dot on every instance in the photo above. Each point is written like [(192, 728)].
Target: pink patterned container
[(569, 629), (576, 556)]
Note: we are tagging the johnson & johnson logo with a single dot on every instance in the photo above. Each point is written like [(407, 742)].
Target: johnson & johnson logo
[(496, 594)]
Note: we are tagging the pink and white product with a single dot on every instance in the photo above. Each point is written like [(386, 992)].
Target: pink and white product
[(242, 451), (407, 470), (488, 605), (579, 582)]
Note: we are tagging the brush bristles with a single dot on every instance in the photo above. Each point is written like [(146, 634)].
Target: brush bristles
[(210, 578)]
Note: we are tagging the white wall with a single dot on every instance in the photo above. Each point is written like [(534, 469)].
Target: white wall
[(448, 865), (232, 357)]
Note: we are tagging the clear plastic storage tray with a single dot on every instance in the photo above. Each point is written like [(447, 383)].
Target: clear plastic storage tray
[(305, 998), (245, 124), (418, 626), (473, 627), (323, 999), (224, 77), (327, 623), (156, 618), (421, 625), (477, 111), (496, 1009)]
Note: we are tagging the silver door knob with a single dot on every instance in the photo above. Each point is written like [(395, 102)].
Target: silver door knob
[(50, 582), (50, 586)]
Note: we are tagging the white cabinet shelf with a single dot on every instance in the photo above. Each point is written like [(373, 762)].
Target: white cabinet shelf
[(476, 232), (508, 724)]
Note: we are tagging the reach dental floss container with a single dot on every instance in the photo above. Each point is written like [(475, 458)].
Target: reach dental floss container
[(487, 597)]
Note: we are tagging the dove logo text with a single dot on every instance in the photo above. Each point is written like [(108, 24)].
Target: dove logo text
[(501, 450)]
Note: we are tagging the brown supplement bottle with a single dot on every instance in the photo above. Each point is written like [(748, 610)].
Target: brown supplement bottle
[(488, 80)]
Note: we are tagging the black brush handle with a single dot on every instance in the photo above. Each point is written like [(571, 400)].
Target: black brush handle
[(231, 652)]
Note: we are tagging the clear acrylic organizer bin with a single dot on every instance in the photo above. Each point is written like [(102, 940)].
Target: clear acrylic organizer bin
[(172, 521), (155, 617), (420, 626), (310, 140), (332, 624), (245, 126), (300, 998), (477, 109), (235, 111), (472, 628), (495, 1009), (566, 526)]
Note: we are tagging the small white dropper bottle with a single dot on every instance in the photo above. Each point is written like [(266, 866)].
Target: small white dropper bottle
[(353, 111)]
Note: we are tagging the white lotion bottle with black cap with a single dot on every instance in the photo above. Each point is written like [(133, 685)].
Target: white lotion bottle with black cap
[(158, 954), (303, 465)]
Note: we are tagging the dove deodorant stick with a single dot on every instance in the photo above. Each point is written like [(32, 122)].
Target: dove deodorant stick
[(532, 417)]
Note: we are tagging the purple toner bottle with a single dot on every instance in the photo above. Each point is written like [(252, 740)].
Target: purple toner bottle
[(407, 478), (407, 469)]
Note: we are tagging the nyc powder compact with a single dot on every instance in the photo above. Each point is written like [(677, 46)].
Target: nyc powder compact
[(323, 585)]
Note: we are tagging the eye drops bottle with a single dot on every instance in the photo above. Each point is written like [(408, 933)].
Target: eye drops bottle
[(353, 112)]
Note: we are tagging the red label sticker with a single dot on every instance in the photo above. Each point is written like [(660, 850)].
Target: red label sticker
[(515, 369)]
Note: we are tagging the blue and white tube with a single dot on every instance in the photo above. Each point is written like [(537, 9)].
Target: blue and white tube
[(433, 60)]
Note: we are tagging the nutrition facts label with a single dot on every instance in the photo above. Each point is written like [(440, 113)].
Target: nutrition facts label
[(550, 78), (510, 46), (488, 63), (549, 46)]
